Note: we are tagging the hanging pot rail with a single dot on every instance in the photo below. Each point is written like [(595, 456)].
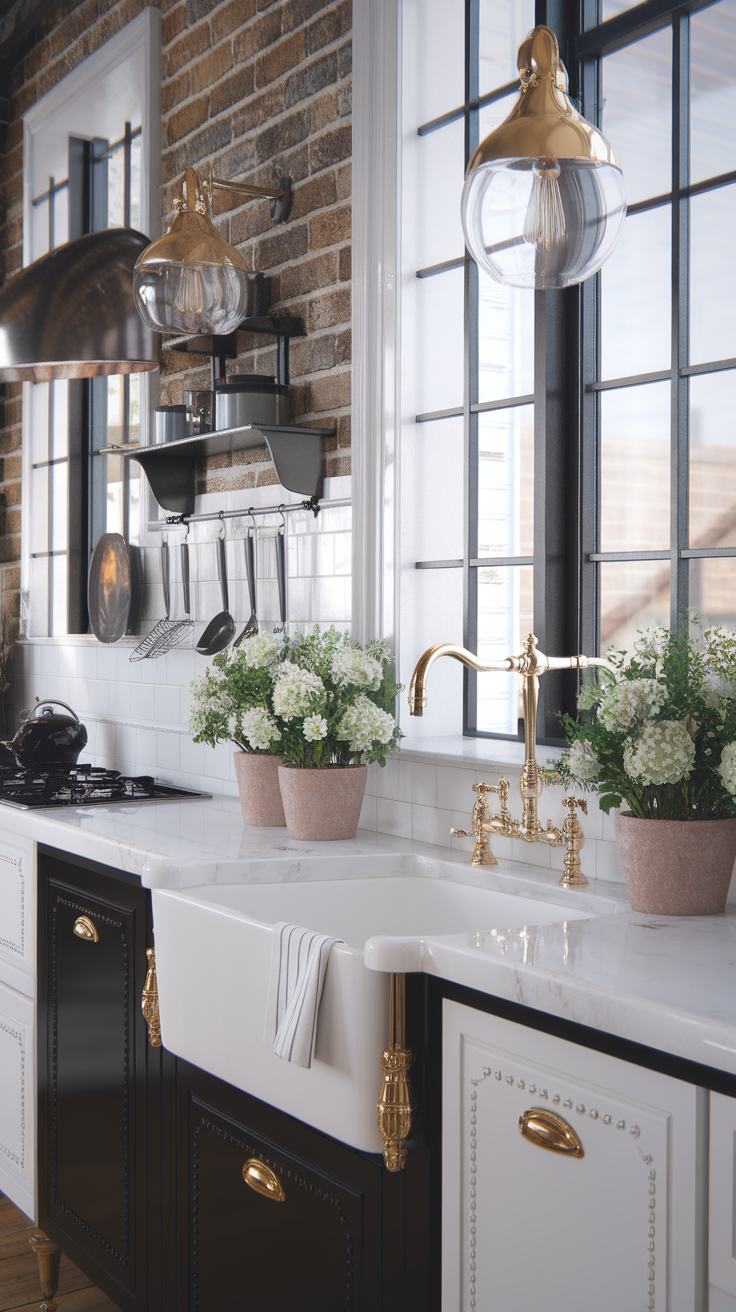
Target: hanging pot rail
[(315, 504)]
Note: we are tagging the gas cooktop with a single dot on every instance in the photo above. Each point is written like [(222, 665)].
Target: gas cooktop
[(83, 785)]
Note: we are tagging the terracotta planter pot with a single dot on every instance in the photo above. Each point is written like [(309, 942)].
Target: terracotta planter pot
[(258, 785), (677, 867), (323, 805)]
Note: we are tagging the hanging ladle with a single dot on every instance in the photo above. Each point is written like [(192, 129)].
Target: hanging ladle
[(220, 630), (280, 544), (249, 543)]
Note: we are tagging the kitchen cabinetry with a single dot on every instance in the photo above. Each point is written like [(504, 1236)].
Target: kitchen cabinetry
[(97, 1116), (622, 1226), (17, 1021), (271, 1213), (722, 1211)]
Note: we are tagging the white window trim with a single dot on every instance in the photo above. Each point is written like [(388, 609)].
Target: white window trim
[(376, 316), (142, 36)]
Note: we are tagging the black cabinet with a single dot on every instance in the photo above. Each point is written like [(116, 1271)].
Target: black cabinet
[(305, 1233), (162, 1182), (99, 1082)]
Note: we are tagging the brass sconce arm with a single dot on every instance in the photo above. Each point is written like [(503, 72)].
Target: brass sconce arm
[(280, 197)]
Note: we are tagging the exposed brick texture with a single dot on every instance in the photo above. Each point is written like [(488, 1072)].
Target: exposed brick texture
[(259, 89)]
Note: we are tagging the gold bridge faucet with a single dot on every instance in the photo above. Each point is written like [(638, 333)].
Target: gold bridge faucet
[(531, 664)]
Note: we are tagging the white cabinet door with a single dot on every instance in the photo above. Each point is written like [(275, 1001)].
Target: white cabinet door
[(18, 1100), (18, 913), (722, 1228), (525, 1228)]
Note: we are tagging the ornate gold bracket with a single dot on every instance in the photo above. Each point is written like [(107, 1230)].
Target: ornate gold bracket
[(149, 1001), (49, 1261), (572, 833), (394, 1104)]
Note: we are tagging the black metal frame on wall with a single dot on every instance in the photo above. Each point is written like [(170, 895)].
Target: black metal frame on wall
[(568, 382)]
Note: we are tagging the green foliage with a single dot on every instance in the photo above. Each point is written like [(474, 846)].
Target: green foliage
[(659, 736)]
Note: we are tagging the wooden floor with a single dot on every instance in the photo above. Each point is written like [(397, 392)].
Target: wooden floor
[(20, 1290)]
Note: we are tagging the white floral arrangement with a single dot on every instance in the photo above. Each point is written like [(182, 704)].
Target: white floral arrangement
[(333, 702), (659, 736), (233, 701)]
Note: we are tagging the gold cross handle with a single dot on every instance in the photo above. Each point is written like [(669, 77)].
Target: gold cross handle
[(574, 838)]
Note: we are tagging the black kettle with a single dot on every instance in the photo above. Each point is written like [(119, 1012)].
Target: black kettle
[(47, 739)]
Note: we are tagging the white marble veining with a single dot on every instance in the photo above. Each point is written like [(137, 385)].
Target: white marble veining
[(664, 982)]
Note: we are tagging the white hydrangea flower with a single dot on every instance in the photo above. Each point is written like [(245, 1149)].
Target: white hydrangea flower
[(583, 761), (262, 650), (314, 728), (296, 690), (207, 700), (364, 724), (258, 728), (727, 768), (589, 696), (662, 753), (352, 666), (630, 701)]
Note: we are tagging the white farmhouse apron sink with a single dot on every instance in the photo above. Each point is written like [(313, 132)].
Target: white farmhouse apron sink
[(213, 952)]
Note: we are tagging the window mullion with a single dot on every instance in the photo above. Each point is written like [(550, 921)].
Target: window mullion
[(679, 472), (470, 388)]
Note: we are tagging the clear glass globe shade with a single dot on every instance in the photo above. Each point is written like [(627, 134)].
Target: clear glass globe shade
[(190, 296), (543, 223)]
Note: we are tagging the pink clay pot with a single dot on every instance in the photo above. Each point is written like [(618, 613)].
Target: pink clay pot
[(677, 867), (323, 805), (258, 785)]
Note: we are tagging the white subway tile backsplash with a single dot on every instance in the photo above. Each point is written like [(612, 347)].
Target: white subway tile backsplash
[(167, 704), (368, 814), (418, 783), (455, 788), (431, 825), (609, 863), (383, 781), (393, 817)]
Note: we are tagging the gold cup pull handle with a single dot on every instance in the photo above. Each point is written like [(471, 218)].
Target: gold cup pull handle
[(548, 1130), (260, 1177), (84, 928)]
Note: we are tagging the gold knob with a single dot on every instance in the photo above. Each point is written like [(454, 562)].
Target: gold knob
[(265, 1181), (548, 1130), (83, 928)]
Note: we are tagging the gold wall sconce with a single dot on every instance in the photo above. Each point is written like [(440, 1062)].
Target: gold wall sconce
[(191, 280), (544, 202)]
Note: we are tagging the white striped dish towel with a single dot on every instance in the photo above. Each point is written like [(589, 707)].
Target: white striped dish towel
[(299, 960)]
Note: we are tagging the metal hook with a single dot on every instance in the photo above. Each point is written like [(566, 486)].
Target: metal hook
[(255, 526), (222, 524), (283, 518)]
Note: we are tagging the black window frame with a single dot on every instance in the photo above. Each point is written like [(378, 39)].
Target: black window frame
[(567, 386)]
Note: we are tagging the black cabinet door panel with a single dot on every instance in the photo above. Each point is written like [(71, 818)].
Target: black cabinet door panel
[(317, 1251)]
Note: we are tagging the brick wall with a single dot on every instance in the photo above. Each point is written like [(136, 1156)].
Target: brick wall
[(257, 88)]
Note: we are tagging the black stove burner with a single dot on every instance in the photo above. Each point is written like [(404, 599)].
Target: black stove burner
[(82, 785)]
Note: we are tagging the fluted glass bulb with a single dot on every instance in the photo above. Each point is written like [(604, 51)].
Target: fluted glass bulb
[(544, 222)]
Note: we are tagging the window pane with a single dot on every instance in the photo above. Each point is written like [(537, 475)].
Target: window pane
[(115, 410), (115, 520), (506, 482), (713, 90), (61, 217), (39, 517), (116, 188), (713, 591), (433, 67), (60, 412), (505, 601), (134, 409), (40, 229), (432, 225), (636, 294), (135, 183), (635, 594), (713, 460), (610, 8), (39, 590), (503, 26), (438, 349), (59, 507), (59, 586), (491, 115), (712, 276), (432, 507), (505, 340), (635, 468), (135, 485), (637, 113), (39, 422)]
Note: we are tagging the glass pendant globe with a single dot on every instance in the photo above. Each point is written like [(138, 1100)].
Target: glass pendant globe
[(530, 230), (191, 280), (544, 201)]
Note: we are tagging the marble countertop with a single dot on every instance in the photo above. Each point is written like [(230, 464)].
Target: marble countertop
[(664, 982)]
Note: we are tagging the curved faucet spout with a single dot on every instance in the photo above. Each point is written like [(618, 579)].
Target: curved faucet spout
[(418, 686)]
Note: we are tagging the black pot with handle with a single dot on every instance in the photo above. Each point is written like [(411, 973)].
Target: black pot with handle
[(48, 738)]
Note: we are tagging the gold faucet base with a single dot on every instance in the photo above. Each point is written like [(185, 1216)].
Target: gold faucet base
[(572, 881)]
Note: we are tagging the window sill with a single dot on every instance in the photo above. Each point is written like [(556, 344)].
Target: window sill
[(451, 750)]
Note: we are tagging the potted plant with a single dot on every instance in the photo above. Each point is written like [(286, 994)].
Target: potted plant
[(658, 738), (233, 702), (332, 700)]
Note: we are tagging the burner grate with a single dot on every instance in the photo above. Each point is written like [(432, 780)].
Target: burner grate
[(83, 785)]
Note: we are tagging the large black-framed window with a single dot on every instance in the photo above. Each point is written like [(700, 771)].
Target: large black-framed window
[(600, 457)]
